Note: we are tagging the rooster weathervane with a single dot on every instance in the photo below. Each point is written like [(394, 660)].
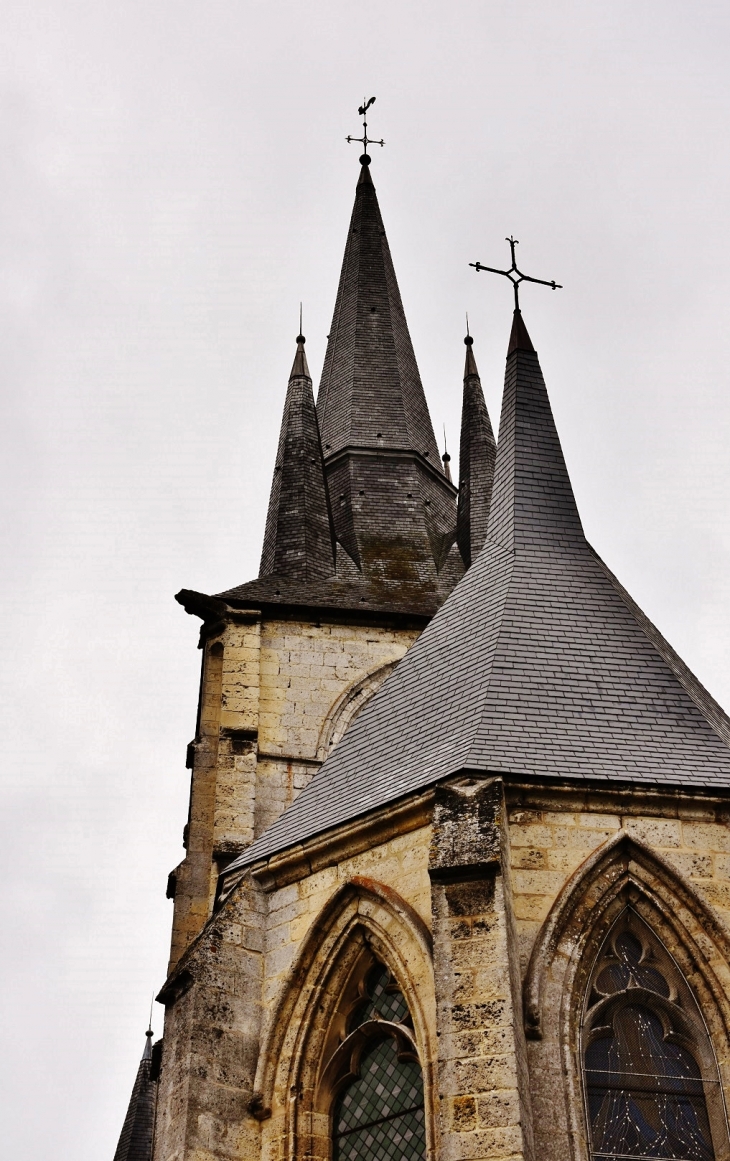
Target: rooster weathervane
[(363, 112)]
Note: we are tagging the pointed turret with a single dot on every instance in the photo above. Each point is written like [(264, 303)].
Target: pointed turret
[(392, 502), (477, 453), (539, 664), (136, 1138), (298, 540), (371, 394)]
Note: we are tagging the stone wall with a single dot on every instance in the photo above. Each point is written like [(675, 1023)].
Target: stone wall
[(553, 831), (241, 997), (274, 695), (515, 893), (484, 1099), (578, 860)]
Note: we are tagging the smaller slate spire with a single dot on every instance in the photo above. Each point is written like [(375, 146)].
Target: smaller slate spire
[(477, 455), (298, 542), (136, 1138)]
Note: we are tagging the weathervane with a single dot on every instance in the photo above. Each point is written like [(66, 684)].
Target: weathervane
[(363, 112), (513, 270)]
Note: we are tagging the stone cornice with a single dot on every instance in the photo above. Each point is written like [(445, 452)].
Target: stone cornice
[(343, 842)]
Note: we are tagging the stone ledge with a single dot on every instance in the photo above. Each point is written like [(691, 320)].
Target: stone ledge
[(334, 846)]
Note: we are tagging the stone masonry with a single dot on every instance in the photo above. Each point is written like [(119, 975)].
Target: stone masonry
[(486, 870), (273, 694)]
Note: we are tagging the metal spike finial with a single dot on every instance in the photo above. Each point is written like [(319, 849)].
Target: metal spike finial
[(513, 270), (446, 458), (365, 140), (300, 336)]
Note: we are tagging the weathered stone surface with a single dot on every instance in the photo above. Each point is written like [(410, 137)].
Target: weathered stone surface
[(275, 699), (481, 1043), (480, 886), (212, 1034)]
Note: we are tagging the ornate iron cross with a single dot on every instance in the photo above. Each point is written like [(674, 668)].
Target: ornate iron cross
[(363, 112), (513, 270)]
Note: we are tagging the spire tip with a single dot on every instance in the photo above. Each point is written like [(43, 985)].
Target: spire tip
[(519, 339)]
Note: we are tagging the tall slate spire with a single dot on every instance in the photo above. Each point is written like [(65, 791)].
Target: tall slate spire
[(538, 664), (371, 393), (136, 1138), (477, 453), (298, 539), (391, 505)]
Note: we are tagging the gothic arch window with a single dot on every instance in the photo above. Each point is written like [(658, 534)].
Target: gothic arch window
[(651, 1082), (374, 1076)]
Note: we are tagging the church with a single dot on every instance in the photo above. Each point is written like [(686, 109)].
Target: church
[(457, 873)]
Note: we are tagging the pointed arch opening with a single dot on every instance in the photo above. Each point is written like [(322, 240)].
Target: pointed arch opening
[(347, 1067), (373, 1081), (630, 966), (651, 1084)]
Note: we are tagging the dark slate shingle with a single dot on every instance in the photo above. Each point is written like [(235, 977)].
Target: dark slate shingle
[(392, 508), (298, 542), (136, 1138), (371, 393), (477, 455), (538, 664)]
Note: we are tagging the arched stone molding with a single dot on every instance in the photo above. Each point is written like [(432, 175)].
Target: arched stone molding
[(348, 705), (619, 873), (362, 919)]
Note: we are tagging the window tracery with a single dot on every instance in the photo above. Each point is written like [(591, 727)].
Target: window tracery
[(375, 1076), (651, 1083)]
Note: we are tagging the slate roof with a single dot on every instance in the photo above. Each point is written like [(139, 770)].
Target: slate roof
[(371, 393), (136, 1138), (299, 537), (392, 508), (539, 664), (477, 455)]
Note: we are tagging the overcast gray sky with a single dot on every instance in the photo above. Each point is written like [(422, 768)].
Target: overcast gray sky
[(174, 180)]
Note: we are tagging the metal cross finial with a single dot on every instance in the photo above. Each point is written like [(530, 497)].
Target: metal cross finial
[(513, 270), (363, 112)]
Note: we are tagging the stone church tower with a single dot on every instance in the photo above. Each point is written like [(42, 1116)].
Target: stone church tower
[(495, 924)]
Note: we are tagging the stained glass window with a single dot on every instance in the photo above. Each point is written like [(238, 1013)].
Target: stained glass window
[(646, 1095), (383, 999), (380, 1116)]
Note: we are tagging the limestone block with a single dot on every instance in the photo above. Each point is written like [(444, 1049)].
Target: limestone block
[(656, 832)]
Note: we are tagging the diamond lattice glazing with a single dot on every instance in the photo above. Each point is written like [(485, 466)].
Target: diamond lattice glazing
[(380, 1117)]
